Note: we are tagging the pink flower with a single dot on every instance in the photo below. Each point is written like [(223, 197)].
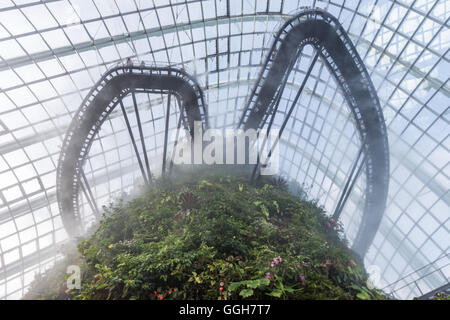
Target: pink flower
[(221, 284), (220, 288), (275, 261), (299, 266), (302, 278)]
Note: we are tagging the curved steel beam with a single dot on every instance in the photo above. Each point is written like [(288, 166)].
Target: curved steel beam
[(94, 110), (324, 32)]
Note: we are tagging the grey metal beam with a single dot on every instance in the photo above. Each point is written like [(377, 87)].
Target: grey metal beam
[(141, 134), (133, 142), (126, 38), (412, 70), (166, 134)]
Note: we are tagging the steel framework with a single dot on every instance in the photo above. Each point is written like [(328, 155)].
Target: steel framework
[(325, 33), (108, 92)]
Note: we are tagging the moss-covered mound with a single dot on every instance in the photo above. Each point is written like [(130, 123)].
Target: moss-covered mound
[(213, 237)]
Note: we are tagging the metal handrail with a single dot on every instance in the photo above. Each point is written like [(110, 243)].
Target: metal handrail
[(442, 256)]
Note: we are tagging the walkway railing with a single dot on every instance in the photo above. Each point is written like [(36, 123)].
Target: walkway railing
[(422, 276)]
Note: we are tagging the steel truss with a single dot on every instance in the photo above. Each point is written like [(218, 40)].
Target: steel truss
[(327, 36), (107, 93)]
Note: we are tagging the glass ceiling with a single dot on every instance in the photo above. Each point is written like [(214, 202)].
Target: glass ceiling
[(53, 51)]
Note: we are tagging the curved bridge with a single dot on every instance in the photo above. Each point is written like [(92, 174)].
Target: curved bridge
[(323, 31), (107, 93)]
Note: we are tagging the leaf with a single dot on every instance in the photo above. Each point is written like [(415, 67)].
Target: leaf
[(275, 293), (354, 286), (275, 203), (204, 183), (240, 270), (363, 296), (253, 284), (241, 187), (234, 286), (264, 281), (246, 293), (367, 291), (289, 289), (265, 211)]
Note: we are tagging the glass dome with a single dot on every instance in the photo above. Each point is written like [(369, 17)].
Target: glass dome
[(52, 53)]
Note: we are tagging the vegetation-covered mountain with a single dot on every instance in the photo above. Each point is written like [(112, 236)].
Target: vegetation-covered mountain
[(212, 237)]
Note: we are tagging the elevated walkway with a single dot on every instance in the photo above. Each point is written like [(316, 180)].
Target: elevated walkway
[(106, 94), (333, 46)]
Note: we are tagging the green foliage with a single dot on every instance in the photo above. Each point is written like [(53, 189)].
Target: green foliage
[(441, 296), (280, 183), (214, 237)]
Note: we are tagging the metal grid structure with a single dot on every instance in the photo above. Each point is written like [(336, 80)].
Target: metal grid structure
[(53, 52)]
